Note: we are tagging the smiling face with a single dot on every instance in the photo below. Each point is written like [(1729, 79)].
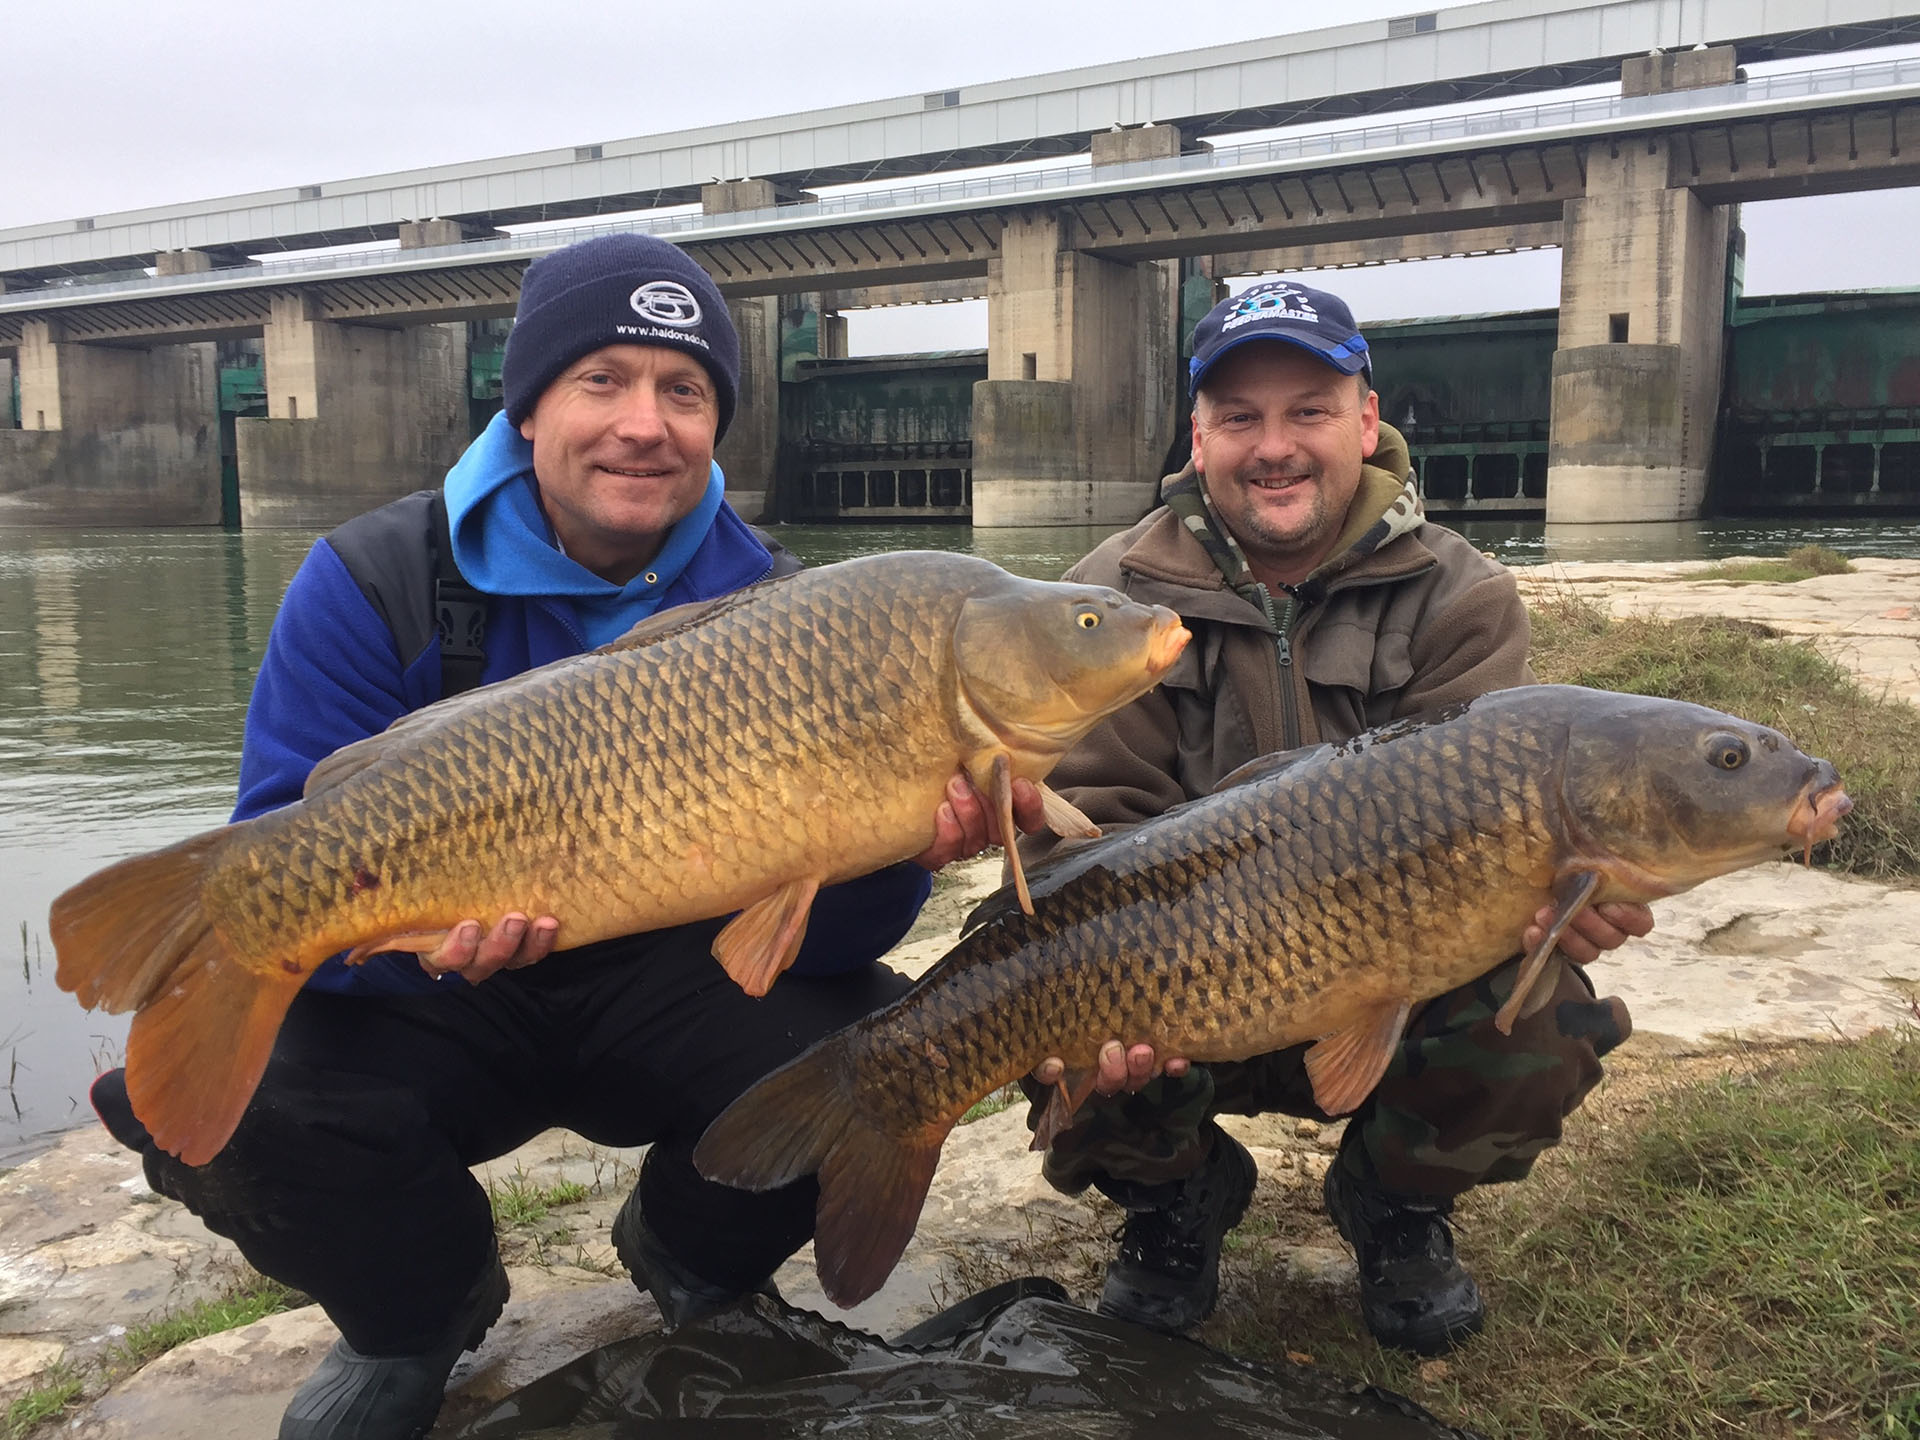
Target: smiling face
[(1279, 437), (622, 449)]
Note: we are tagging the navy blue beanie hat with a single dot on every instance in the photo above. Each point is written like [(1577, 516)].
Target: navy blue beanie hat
[(616, 290)]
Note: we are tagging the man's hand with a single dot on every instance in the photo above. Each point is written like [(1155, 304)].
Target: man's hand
[(1594, 930), (1122, 1067), (513, 944), (965, 824)]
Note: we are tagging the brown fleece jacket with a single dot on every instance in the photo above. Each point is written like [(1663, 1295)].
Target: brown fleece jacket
[(1422, 620)]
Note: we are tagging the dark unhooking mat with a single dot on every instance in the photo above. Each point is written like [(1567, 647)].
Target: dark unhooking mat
[(1014, 1363)]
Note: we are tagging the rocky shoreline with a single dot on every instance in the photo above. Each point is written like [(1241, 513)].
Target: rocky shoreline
[(1776, 952)]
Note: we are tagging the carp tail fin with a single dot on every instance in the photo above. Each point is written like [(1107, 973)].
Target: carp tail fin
[(137, 937), (803, 1120)]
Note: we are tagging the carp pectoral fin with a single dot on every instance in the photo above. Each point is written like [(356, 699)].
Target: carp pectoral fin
[(1069, 1093), (1346, 1065), (1002, 798), (763, 939), (1065, 819), (413, 942), (1573, 893)]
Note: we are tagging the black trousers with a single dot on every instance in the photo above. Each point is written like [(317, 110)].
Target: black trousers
[(348, 1175)]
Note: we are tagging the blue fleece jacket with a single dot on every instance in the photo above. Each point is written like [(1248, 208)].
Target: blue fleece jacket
[(333, 674)]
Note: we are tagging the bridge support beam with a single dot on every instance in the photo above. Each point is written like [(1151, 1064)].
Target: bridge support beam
[(356, 416), (751, 448), (1643, 280), (111, 435), (1071, 423)]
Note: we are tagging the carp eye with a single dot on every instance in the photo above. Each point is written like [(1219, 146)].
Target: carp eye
[(1087, 619), (1727, 752)]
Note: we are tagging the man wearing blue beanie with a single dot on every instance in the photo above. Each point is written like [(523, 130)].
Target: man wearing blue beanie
[(592, 501)]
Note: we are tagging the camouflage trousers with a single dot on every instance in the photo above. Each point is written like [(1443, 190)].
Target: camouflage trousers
[(1460, 1104)]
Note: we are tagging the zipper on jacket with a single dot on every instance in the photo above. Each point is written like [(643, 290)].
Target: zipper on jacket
[(1282, 622)]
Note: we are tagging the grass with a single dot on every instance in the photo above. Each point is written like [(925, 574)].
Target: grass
[(1745, 1261), (251, 1297), (1801, 564), (1738, 666), (1002, 1099), (519, 1201), (49, 1400)]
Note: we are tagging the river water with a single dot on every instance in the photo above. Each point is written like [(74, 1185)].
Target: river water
[(126, 659)]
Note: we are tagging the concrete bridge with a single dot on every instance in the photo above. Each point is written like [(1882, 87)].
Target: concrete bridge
[(1086, 269)]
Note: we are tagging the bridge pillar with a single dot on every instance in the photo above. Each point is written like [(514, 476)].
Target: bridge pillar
[(751, 448), (116, 435), (1073, 418), (1643, 281), (356, 416), (182, 262)]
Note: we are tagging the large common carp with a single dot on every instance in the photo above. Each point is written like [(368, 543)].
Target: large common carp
[(735, 755), (1316, 896)]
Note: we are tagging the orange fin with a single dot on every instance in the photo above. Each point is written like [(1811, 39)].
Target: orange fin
[(120, 934), (1346, 1065), (1001, 797), (414, 942), (196, 1051), (763, 939), (1064, 817), (804, 1119), (1573, 892), (1069, 1094)]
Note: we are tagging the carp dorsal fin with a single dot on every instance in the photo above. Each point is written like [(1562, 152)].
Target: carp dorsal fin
[(1346, 1065), (663, 624), (1264, 767), (1573, 892)]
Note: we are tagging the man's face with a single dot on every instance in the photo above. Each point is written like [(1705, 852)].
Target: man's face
[(1280, 436), (622, 445)]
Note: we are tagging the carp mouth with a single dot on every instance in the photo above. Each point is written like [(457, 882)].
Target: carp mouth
[(1168, 640), (1817, 817)]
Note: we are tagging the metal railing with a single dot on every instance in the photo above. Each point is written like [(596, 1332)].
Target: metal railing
[(1351, 141)]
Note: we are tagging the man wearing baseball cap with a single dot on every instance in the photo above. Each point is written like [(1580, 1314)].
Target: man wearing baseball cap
[(592, 501), (1321, 604)]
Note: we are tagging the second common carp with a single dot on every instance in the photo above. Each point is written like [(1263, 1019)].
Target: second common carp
[(1316, 896), (734, 755)]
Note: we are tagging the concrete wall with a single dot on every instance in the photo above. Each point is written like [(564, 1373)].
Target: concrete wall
[(1641, 265), (1103, 328), (751, 447), (356, 416), (112, 436), (1618, 423)]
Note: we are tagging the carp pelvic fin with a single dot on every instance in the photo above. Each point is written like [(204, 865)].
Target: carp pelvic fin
[(763, 939), (1346, 1065), (1065, 1100), (1002, 798), (803, 1119), (1573, 893), (137, 936), (1065, 819), (414, 942)]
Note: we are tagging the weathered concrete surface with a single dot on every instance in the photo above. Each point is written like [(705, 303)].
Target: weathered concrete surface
[(1868, 621)]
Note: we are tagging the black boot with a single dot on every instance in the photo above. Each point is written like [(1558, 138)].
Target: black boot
[(1414, 1294), (364, 1397), (1166, 1276), (680, 1294)]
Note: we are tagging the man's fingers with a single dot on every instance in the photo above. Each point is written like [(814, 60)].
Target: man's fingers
[(537, 945), (1111, 1075), (1630, 919), (1139, 1066), (1050, 1071), (1029, 810), (455, 952)]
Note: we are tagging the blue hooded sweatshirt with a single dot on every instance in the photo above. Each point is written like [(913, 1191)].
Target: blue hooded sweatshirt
[(333, 674)]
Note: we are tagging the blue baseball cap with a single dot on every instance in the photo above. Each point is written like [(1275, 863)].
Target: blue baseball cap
[(1317, 322)]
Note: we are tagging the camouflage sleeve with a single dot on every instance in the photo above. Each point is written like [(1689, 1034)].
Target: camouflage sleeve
[(1475, 644)]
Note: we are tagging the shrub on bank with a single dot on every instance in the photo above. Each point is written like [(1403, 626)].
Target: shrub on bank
[(1745, 669)]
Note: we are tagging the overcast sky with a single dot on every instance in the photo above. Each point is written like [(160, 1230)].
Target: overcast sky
[(115, 104)]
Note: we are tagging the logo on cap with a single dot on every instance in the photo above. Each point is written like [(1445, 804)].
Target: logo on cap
[(1270, 302), (665, 302)]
